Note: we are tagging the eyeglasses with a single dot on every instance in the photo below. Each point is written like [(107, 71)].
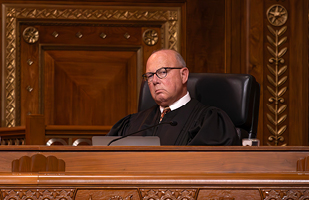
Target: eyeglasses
[(161, 73)]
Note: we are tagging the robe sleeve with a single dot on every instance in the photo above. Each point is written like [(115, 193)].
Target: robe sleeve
[(120, 127), (213, 128)]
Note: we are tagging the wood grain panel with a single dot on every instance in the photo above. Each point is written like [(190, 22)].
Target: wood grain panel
[(89, 87), (205, 36), (84, 78), (170, 161), (298, 74), (256, 53)]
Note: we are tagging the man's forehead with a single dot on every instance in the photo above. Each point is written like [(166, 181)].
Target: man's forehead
[(159, 60), (164, 54)]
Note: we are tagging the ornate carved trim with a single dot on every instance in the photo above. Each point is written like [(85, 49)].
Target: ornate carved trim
[(38, 163), (303, 164), (277, 87), (285, 194), (170, 17), (36, 194), (14, 141), (129, 197), (175, 194)]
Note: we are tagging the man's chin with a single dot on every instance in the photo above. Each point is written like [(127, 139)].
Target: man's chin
[(162, 102)]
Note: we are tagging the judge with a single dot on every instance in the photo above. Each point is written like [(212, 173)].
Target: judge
[(197, 124)]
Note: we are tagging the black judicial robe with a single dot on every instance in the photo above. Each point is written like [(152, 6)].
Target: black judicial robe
[(197, 124)]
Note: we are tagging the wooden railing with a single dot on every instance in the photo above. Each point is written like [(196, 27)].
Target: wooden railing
[(13, 136), (37, 133)]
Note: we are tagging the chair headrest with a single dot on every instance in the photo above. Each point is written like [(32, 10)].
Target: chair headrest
[(233, 93), (236, 94)]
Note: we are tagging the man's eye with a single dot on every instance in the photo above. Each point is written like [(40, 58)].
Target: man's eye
[(149, 75), (162, 72)]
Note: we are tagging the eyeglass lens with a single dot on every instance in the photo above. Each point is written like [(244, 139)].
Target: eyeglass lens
[(161, 73)]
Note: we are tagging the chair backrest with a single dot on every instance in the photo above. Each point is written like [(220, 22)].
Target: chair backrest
[(237, 94)]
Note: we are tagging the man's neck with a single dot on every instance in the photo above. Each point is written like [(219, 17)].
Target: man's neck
[(181, 102)]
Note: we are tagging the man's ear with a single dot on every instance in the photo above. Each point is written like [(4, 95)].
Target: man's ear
[(184, 73)]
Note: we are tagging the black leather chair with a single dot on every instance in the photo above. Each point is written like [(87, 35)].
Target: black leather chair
[(237, 94)]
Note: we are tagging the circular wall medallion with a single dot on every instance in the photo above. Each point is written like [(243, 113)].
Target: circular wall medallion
[(277, 15), (150, 37), (31, 35)]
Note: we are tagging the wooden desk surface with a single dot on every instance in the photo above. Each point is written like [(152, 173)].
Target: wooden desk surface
[(163, 159), (93, 172)]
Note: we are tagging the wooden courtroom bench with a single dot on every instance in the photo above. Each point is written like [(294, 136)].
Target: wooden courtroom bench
[(158, 173)]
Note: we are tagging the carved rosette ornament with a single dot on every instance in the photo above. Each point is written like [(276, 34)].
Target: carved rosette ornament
[(277, 15), (31, 35), (38, 194), (276, 79), (13, 12), (150, 37)]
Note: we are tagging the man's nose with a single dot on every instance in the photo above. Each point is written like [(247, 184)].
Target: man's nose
[(155, 79)]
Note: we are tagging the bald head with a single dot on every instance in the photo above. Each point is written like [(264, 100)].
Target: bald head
[(171, 55), (165, 91)]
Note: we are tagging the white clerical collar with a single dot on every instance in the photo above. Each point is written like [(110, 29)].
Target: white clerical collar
[(181, 102)]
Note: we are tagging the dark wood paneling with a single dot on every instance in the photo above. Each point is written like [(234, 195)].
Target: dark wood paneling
[(85, 80), (89, 87), (256, 51), (205, 36), (217, 36), (298, 73)]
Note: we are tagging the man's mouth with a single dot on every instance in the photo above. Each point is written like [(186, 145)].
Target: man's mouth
[(158, 91)]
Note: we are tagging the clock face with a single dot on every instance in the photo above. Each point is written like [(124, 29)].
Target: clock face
[(31, 35)]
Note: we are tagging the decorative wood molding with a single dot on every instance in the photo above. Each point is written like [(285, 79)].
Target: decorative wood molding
[(38, 163), (285, 194), (130, 197), (276, 79), (13, 141), (303, 164), (36, 194), (31, 35), (176, 194), (277, 15), (108, 194), (169, 17)]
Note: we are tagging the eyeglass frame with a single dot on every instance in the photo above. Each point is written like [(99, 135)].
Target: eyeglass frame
[(146, 78)]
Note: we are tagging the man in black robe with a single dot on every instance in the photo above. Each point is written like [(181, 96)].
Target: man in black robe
[(197, 124)]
